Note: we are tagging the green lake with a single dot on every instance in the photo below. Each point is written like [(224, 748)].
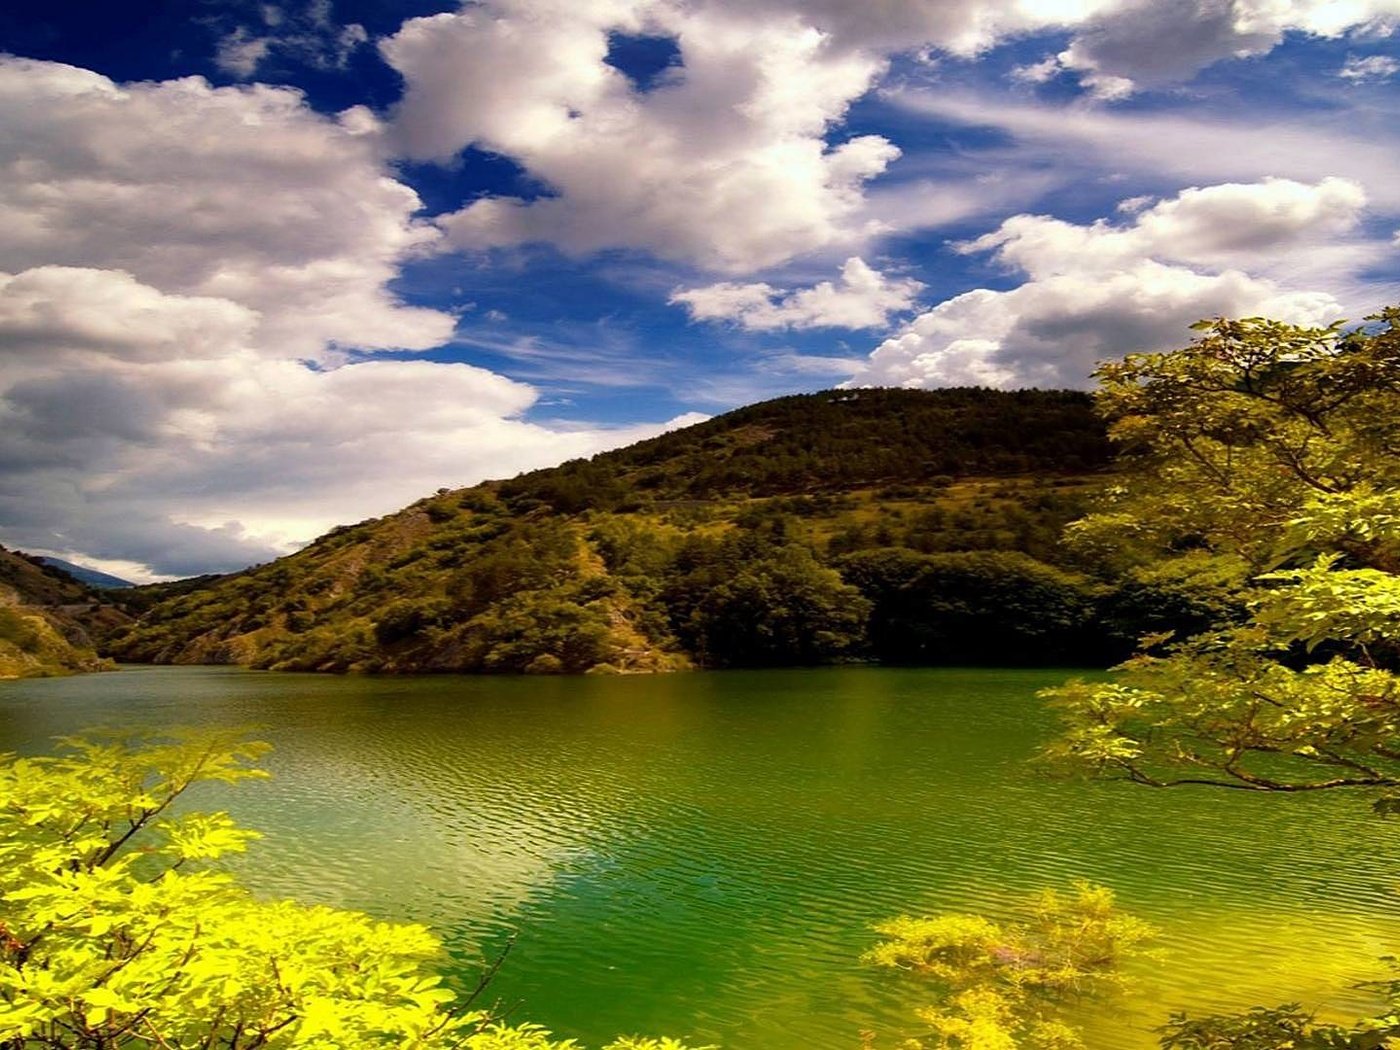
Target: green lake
[(704, 854)]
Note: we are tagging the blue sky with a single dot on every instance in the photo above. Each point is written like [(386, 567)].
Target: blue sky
[(273, 266)]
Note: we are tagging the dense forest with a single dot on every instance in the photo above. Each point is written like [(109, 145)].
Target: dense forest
[(899, 525)]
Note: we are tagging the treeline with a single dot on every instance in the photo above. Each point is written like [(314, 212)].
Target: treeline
[(624, 593), (914, 558), (830, 442)]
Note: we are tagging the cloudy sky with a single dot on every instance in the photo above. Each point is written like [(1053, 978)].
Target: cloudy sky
[(267, 267)]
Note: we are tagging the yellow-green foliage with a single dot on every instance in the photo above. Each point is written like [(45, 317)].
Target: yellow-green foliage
[(1271, 449), (1004, 985), (114, 934), (31, 646)]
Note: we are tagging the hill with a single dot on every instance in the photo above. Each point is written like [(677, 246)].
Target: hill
[(92, 577), (49, 621), (897, 524)]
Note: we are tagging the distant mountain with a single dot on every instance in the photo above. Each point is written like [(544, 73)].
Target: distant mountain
[(49, 621), (786, 532), (92, 577)]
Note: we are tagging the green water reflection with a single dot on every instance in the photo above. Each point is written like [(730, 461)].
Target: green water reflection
[(703, 854)]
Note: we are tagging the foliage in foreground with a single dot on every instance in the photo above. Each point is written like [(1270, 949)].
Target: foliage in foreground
[(1006, 985), (114, 933), (1272, 452), (1277, 449), (1286, 1027)]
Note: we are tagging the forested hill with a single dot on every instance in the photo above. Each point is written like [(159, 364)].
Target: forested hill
[(48, 620), (892, 524), (838, 440)]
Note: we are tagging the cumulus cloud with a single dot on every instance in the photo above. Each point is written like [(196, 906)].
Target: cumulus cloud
[(1144, 41), (237, 193), (862, 298), (732, 160), (1232, 224), (1151, 43), (723, 164), (1098, 291), (196, 461), (1115, 47), (197, 273)]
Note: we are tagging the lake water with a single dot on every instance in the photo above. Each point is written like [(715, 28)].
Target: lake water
[(703, 854)]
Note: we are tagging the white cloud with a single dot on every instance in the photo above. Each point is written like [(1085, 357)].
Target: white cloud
[(307, 35), (863, 298), (240, 52), (236, 193), (191, 267), (54, 312), (1052, 332), (1038, 72), (724, 164), (137, 449), (1098, 291), (1144, 41), (1234, 224), (1177, 146), (729, 162), (1372, 67), (1151, 43)]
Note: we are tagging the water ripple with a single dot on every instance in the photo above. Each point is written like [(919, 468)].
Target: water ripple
[(705, 854)]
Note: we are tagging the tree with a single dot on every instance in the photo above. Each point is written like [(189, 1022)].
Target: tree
[(783, 609), (1272, 452), (115, 934), (971, 607), (1276, 447)]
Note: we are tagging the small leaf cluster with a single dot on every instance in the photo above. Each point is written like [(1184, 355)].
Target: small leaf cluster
[(1005, 985)]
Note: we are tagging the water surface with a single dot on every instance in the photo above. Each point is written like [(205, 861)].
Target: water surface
[(704, 854)]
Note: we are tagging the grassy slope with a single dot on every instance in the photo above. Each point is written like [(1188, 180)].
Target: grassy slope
[(573, 562), (48, 620)]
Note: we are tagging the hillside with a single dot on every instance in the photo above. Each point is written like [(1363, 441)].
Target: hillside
[(48, 620), (898, 524)]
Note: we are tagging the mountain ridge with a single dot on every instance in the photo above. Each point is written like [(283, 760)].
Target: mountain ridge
[(94, 578), (674, 552)]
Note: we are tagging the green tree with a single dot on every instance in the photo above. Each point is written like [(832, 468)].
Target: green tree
[(1272, 452), (1279, 448), (972, 607), (784, 609), (114, 932)]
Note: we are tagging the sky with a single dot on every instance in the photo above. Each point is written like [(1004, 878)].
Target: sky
[(270, 266)]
